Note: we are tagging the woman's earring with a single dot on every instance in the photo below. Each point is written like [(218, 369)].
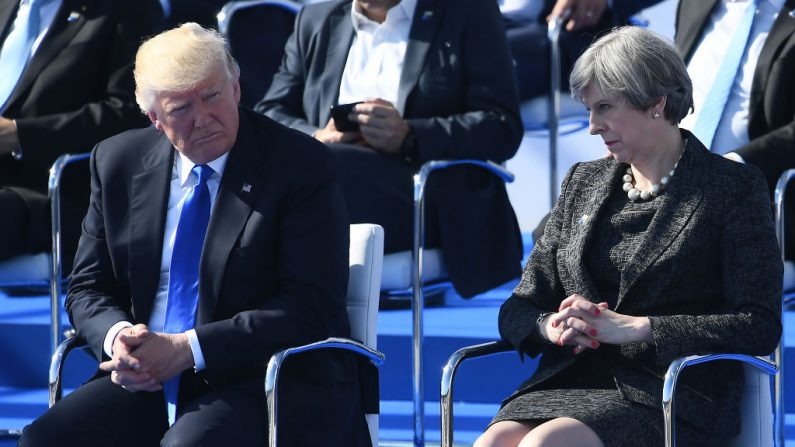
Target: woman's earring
[(656, 114)]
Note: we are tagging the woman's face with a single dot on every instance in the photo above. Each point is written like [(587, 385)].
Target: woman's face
[(625, 130)]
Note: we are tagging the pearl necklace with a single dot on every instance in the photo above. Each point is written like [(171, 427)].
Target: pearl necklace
[(634, 193)]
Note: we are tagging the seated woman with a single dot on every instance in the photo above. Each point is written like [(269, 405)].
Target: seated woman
[(659, 251)]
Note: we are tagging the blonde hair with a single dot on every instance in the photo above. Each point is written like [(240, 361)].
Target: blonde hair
[(179, 59)]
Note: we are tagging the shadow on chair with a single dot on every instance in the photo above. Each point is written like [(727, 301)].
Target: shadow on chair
[(365, 263)]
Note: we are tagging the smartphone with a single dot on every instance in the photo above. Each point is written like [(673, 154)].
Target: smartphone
[(340, 114)]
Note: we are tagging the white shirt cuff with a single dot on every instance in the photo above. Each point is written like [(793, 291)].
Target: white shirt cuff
[(196, 350), (734, 156), (110, 337)]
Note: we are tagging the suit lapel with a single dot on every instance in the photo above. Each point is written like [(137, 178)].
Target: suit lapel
[(692, 17), (585, 218), (423, 27), (783, 28), (148, 206), (339, 43), (678, 204), (240, 186), (61, 32), (7, 15)]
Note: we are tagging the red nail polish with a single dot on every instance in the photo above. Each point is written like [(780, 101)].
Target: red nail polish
[(597, 311), (554, 324), (593, 332), (594, 344), (574, 350)]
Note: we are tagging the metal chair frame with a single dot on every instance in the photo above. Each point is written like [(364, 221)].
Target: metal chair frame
[(418, 303)]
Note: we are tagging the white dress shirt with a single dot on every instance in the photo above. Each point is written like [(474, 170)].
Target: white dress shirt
[(47, 12), (182, 180), (732, 131), (375, 59)]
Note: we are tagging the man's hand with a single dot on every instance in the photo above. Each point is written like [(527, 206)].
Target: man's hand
[(143, 360), (9, 140), (330, 134), (584, 13), (381, 125)]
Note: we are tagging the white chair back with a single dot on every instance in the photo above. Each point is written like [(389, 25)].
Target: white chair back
[(364, 284), (756, 412)]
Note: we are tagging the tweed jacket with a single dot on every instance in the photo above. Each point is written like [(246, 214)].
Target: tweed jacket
[(707, 274)]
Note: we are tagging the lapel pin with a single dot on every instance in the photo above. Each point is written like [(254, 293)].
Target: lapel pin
[(583, 219), (73, 16), (426, 15), (246, 188)]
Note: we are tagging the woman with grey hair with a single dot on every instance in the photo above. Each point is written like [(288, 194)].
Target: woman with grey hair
[(658, 251)]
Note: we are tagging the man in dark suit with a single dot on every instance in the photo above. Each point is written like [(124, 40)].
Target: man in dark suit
[(75, 90), (770, 103), (437, 83), (271, 272)]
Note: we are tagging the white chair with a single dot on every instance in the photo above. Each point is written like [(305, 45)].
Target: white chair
[(365, 262), (756, 412)]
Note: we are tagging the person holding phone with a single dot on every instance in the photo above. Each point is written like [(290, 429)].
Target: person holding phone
[(433, 80)]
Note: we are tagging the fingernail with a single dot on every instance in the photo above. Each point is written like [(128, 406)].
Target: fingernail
[(593, 332), (594, 344), (560, 342), (574, 350), (597, 311), (554, 324)]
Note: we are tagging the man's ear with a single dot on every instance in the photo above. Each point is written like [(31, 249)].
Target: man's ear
[(154, 120)]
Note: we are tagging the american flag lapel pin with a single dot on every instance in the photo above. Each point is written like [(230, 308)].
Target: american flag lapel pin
[(73, 16), (246, 188), (426, 15)]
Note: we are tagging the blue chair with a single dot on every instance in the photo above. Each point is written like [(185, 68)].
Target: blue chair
[(44, 270), (257, 31)]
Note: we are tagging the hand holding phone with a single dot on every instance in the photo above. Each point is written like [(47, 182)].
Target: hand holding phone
[(342, 121)]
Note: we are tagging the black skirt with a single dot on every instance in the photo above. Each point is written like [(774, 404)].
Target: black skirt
[(586, 391)]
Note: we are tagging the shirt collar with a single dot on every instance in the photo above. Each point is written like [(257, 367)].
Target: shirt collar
[(185, 166)]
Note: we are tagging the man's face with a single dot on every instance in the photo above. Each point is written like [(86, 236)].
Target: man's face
[(201, 122)]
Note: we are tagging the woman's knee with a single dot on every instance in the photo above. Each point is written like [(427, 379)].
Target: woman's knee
[(502, 434)]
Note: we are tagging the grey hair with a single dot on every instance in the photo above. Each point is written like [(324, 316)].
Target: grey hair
[(179, 59), (639, 66)]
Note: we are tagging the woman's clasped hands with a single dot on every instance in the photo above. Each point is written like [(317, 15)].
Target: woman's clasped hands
[(586, 325)]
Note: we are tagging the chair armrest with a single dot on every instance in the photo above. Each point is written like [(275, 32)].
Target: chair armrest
[(56, 261), (675, 368), (448, 375), (56, 366), (277, 360)]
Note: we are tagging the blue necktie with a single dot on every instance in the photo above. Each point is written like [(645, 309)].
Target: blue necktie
[(715, 101), (183, 279), (16, 49)]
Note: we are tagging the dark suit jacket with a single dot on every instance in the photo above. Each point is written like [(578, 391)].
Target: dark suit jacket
[(708, 275), (529, 45), (78, 87), (771, 113), (273, 270), (457, 93)]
